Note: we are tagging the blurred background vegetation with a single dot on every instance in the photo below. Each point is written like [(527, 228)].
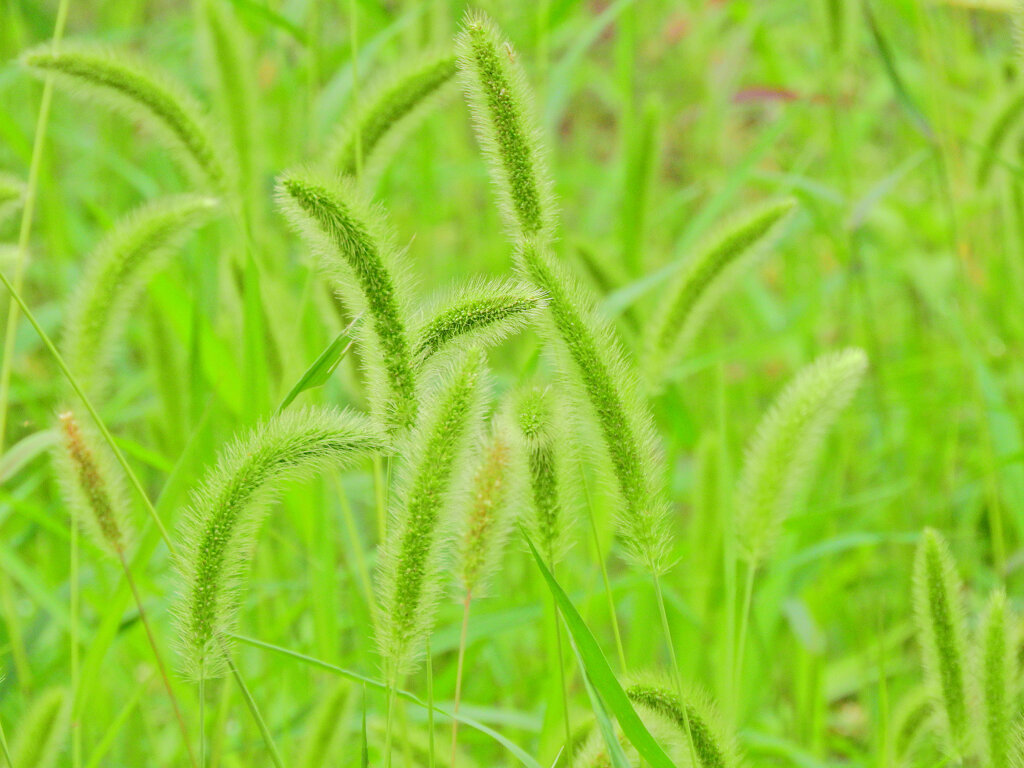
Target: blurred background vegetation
[(662, 117)]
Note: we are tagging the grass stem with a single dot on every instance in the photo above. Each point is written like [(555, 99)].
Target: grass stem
[(458, 673)]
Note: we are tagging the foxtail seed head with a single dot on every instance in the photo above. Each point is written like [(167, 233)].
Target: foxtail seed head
[(786, 444), (357, 252), (410, 571), (998, 675), (498, 96), (219, 530)]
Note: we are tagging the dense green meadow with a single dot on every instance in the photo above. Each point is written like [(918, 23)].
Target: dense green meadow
[(630, 383)]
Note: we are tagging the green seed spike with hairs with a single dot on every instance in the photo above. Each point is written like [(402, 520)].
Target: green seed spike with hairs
[(137, 90), (706, 278), (355, 247), (485, 523), (546, 520), (43, 730), (115, 275), (498, 96), (998, 675), (478, 312), (219, 531), (396, 106), (711, 744), (940, 629), (12, 189), (598, 367), (409, 576), (93, 489), (782, 453)]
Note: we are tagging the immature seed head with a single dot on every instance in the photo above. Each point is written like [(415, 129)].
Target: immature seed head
[(786, 444), (394, 106), (593, 363), (93, 491), (939, 613), (499, 99), (411, 572), (483, 313), (357, 253), (219, 530), (139, 91), (998, 675)]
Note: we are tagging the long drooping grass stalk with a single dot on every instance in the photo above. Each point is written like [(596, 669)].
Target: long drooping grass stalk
[(410, 570), (784, 448), (705, 279), (137, 90), (396, 106), (697, 721), (495, 87), (42, 730), (481, 538), (595, 365), (219, 532), (477, 312), (998, 676), (357, 253), (116, 274), (939, 614)]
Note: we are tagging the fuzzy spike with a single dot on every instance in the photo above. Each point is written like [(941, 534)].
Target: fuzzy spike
[(998, 677), (137, 90), (355, 247), (939, 614), (786, 444), (410, 570), (219, 531), (496, 89), (598, 367)]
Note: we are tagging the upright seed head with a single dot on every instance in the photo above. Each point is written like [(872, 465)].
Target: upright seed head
[(786, 444), (357, 253), (219, 530), (495, 87), (410, 576), (394, 107), (998, 675), (137, 90), (940, 630), (94, 493), (485, 522), (594, 364)]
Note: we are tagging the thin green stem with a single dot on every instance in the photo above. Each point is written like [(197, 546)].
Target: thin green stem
[(254, 710), (25, 228), (458, 673), (76, 732), (741, 642), (159, 659), (676, 675), (100, 425), (430, 707), (561, 676), (202, 721), (389, 723), (354, 39)]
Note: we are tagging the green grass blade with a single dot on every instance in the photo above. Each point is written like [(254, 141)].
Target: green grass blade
[(320, 371)]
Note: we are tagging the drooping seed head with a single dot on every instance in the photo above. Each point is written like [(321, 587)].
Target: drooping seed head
[(357, 253), (393, 107), (495, 87), (94, 492), (219, 531), (139, 91), (780, 457), (410, 566), (939, 613), (592, 362), (481, 313)]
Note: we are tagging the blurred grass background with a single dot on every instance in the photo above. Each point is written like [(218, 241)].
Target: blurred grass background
[(871, 113)]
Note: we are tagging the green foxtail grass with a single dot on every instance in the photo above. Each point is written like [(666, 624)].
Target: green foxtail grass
[(478, 312), (595, 364), (410, 565), (219, 531), (42, 730), (139, 91), (502, 109), (705, 279), (998, 675), (396, 105), (940, 630), (786, 444), (115, 275), (355, 248)]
